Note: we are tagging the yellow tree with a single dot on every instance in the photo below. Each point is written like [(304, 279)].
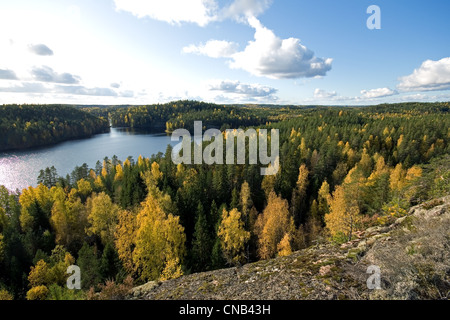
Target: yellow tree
[(233, 236), (160, 242), (84, 189), (102, 217), (43, 275), (68, 217), (377, 185), (141, 162), (299, 193), (396, 178), (246, 201), (412, 174), (304, 151), (119, 173), (98, 183), (152, 177), (272, 225), (268, 184), (322, 201), (92, 174), (125, 235), (365, 164), (284, 247), (38, 274), (34, 202), (401, 181), (5, 295), (343, 216), (38, 280)]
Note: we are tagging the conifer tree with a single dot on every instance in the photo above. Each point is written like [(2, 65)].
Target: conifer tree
[(201, 244)]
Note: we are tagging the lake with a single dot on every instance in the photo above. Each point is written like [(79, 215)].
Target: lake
[(20, 169)]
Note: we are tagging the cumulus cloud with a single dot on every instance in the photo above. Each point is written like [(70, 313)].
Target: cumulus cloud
[(213, 49), (40, 49), (115, 85), (276, 58), (322, 94), (245, 8), (200, 12), (46, 74), (431, 75), (236, 87), (378, 93), (7, 74), (268, 55)]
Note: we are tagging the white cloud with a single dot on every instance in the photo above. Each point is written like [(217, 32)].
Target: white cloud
[(127, 94), (46, 74), (25, 87), (322, 94), (245, 8), (432, 75), (236, 87), (7, 74), (378, 93), (277, 58), (213, 49), (83, 91), (200, 12), (40, 49), (268, 55), (36, 87)]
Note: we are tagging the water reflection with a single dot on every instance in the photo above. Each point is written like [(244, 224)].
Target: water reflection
[(19, 169)]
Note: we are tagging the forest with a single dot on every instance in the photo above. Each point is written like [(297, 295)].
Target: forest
[(27, 126), (129, 221), (180, 115)]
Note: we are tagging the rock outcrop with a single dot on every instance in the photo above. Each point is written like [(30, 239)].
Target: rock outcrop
[(413, 255)]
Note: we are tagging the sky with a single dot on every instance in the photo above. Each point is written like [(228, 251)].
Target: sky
[(321, 52)]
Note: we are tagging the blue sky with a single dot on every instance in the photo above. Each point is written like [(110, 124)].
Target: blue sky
[(235, 51)]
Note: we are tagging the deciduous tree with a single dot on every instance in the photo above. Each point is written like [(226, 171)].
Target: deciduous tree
[(160, 242), (102, 217), (233, 236), (272, 225)]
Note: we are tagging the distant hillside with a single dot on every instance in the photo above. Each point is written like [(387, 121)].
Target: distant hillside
[(26, 126), (413, 255), (182, 114)]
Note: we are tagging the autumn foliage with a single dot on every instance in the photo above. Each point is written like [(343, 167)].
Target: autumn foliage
[(340, 171)]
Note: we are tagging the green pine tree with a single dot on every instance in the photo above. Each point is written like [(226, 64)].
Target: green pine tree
[(201, 244)]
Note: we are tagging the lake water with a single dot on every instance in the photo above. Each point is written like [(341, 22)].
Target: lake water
[(20, 169)]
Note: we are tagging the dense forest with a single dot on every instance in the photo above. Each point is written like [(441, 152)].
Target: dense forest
[(129, 221), (26, 126), (181, 115)]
